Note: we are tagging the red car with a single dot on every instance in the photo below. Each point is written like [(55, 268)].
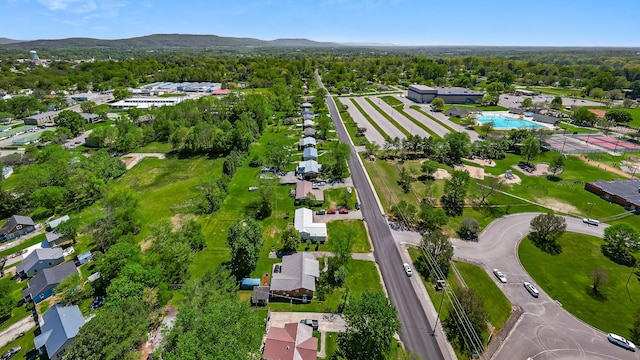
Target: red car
[(331, 211), (343, 211)]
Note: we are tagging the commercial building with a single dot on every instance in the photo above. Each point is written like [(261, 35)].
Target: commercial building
[(621, 192), (451, 95), (39, 119), (146, 102)]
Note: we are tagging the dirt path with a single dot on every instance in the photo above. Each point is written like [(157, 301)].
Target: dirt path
[(13, 332), (132, 159), (604, 166)]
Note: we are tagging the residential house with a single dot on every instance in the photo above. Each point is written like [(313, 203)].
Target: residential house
[(303, 222), (54, 239), (44, 283), (293, 342), (457, 112), (90, 118), (306, 142), (16, 226), (309, 132), (306, 112), (84, 258), (308, 169), (308, 123), (39, 259), (297, 277), (306, 105), (54, 223), (307, 116), (60, 325), (310, 154), (304, 188)]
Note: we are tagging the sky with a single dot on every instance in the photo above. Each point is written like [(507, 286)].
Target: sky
[(401, 22)]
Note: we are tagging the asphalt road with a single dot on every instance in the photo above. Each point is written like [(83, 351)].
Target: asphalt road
[(416, 331), (546, 330)]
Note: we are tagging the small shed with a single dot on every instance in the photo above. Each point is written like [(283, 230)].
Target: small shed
[(249, 283), (260, 296), (85, 257)]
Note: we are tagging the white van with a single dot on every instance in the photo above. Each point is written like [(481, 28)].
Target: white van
[(591, 221)]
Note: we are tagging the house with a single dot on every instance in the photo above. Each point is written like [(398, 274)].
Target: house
[(457, 112), (307, 116), (84, 258), (306, 105), (90, 118), (306, 112), (307, 142), (304, 188), (54, 239), (54, 223), (308, 169), (39, 259), (310, 154), (308, 123), (44, 283), (39, 119), (60, 325), (309, 132), (303, 222), (297, 277), (16, 226), (294, 341)]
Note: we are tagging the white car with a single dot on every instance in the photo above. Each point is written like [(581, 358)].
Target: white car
[(407, 269), (620, 341), (531, 289), (500, 276), (590, 221)]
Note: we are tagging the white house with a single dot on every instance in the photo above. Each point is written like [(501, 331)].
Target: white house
[(303, 222)]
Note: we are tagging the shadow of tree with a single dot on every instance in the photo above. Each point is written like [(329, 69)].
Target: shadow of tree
[(596, 294)]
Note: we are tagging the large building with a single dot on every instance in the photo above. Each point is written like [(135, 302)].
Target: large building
[(39, 119), (451, 95), (146, 102), (621, 192)]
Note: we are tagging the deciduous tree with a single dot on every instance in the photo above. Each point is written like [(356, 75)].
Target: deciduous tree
[(530, 150), (455, 192), (244, 238), (290, 238), (545, 230), (436, 253), (469, 229), (70, 120), (437, 104)]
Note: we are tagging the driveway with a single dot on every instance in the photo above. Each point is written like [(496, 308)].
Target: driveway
[(327, 322), (545, 330)]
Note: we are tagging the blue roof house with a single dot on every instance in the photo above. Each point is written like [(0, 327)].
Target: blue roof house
[(310, 154), (60, 326)]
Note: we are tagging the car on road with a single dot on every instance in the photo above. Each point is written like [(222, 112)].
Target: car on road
[(531, 289), (343, 211), (357, 206), (331, 211), (321, 212), (11, 353), (590, 221), (310, 322), (500, 276), (407, 269), (620, 341)]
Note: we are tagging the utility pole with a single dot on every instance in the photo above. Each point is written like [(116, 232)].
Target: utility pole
[(438, 314)]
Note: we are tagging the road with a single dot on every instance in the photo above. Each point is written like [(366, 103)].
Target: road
[(416, 330), (546, 330)]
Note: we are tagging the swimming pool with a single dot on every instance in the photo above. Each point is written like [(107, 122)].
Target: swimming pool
[(505, 122)]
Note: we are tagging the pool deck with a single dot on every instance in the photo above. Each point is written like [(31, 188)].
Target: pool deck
[(516, 117)]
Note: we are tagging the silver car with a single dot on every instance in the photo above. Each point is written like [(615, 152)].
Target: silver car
[(500, 276), (531, 289), (620, 341)]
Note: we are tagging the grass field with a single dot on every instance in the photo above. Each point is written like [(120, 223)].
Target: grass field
[(350, 125), (570, 129), (478, 107), (18, 313), (612, 310)]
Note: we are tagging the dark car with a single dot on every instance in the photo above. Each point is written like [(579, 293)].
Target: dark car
[(277, 269), (321, 212), (10, 353), (310, 322), (357, 206), (97, 302)]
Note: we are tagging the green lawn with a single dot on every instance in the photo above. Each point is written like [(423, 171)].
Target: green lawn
[(156, 147), (18, 313), (391, 100), (570, 129), (581, 254), (331, 344), (354, 229), (25, 342), (34, 240)]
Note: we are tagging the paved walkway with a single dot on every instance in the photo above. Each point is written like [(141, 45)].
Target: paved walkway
[(13, 332)]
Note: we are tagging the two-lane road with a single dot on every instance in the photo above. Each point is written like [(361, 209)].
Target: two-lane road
[(546, 330), (416, 330)]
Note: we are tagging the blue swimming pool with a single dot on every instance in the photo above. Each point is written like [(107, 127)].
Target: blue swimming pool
[(505, 122)]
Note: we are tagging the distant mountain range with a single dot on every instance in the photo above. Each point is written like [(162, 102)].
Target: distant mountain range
[(162, 41)]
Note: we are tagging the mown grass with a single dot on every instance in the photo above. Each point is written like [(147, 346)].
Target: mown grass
[(155, 147), (369, 119), (17, 313), (475, 107), (573, 289), (356, 232), (388, 117), (26, 344), (570, 129)]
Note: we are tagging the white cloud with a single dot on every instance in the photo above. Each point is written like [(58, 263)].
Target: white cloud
[(81, 6)]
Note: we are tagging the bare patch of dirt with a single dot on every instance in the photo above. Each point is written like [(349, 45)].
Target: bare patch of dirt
[(515, 179), (178, 219), (474, 172), (442, 174), (558, 205), (483, 162), (145, 245)]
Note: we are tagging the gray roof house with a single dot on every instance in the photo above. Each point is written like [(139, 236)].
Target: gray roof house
[(44, 283), (60, 326), (308, 168), (307, 117), (308, 123), (309, 132), (297, 276), (54, 239), (310, 153), (90, 118), (40, 259), (307, 142), (16, 226), (54, 223)]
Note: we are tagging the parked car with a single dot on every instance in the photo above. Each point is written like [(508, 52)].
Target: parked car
[(253, 188), (407, 269), (310, 322), (500, 276), (343, 211), (590, 221), (97, 302), (620, 341), (11, 353), (531, 289), (357, 206), (277, 269), (321, 212), (331, 211), (440, 285)]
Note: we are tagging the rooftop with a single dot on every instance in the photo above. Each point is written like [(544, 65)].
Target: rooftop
[(628, 190)]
